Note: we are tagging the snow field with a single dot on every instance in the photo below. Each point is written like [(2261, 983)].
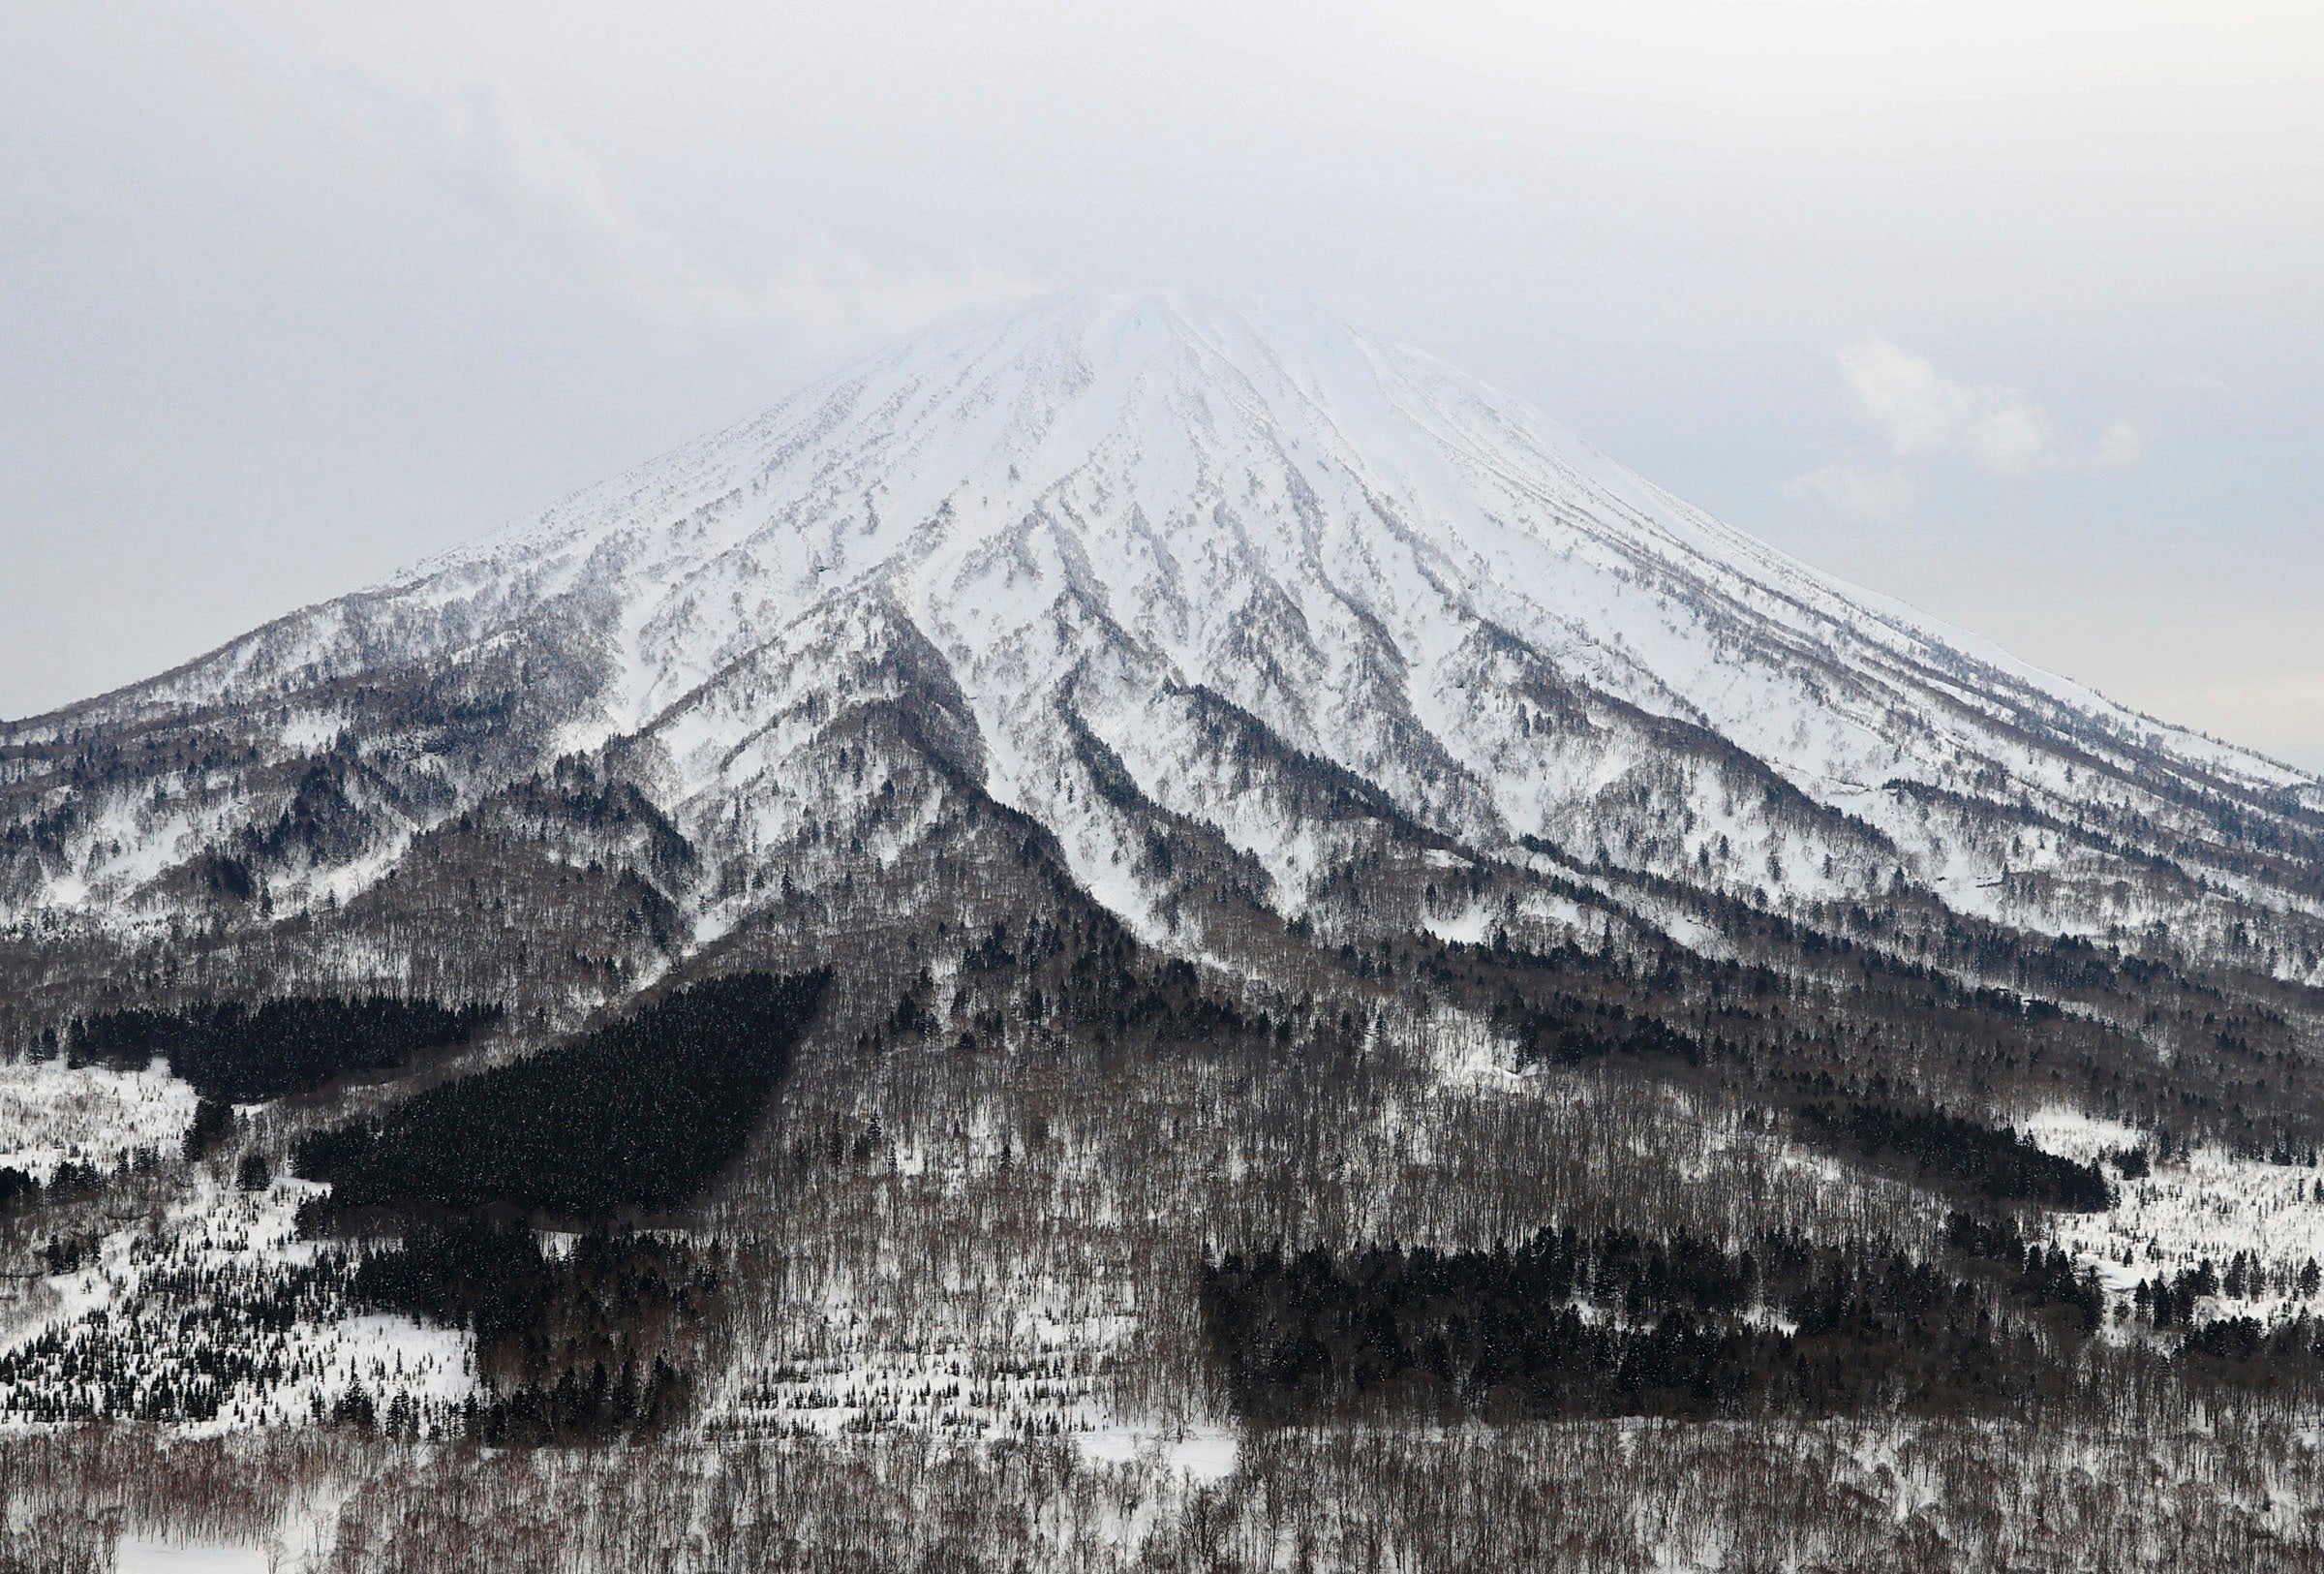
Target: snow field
[(2204, 1204), (127, 1307), (51, 1113)]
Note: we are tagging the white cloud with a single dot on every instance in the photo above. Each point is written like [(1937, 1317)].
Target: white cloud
[(484, 143), (2120, 448), (1854, 491), (1920, 413)]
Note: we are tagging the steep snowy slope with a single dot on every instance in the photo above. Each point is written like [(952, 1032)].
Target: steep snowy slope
[(1171, 574)]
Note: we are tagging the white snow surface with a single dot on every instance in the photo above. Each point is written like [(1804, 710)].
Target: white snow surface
[(1131, 517), (216, 1227), (138, 1554), (2207, 1205), (51, 1114)]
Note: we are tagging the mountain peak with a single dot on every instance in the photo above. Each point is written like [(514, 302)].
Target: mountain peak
[(1118, 529)]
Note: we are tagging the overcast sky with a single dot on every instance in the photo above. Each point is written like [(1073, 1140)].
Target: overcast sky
[(2015, 311)]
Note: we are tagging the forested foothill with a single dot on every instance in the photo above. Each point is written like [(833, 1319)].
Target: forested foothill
[(601, 1339), (1960, 1154), (590, 1337), (196, 1341), (1810, 1021), (1498, 1219), (238, 1053), (1904, 1496), (604, 1337)]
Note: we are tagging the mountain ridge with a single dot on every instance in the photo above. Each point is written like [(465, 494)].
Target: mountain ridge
[(1092, 507), (1122, 884)]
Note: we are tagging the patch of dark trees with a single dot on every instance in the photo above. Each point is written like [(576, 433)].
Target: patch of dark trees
[(576, 793), (1961, 1155), (2028, 1278), (67, 1252), (2256, 1354), (1162, 1004), (598, 1340), (2241, 1353), (72, 1179), (225, 1333), (2170, 1301), (234, 1053), (640, 1114), (571, 1346), (1619, 1324), (212, 1119), (323, 821), (1571, 1030)]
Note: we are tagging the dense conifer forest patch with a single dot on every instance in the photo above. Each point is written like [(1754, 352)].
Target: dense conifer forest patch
[(234, 1053), (1962, 1155), (1617, 1325), (586, 1343), (640, 1114)]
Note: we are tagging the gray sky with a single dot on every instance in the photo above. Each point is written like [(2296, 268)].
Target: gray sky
[(2009, 309)]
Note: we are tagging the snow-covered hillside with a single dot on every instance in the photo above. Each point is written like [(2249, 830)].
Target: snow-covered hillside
[(1171, 562), (1129, 889)]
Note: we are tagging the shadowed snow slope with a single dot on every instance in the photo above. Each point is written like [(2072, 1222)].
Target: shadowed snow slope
[(1162, 570)]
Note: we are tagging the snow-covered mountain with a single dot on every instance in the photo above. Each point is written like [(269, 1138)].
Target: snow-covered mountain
[(1135, 882), (1246, 610)]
